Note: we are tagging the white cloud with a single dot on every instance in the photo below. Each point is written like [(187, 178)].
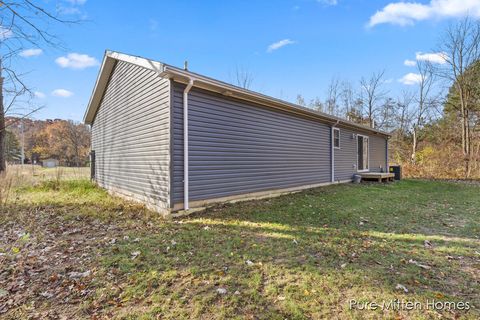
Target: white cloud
[(410, 79), (77, 2), (439, 57), (329, 2), (71, 7), (77, 61), (62, 93), (69, 10), (407, 13), (5, 33), (279, 44), (39, 94), (410, 63), (31, 52)]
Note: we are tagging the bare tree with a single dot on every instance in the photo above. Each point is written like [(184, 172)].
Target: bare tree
[(333, 94), (300, 100), (372, 94), (347, 98), (425, 102), (404, 112), (387, 114), (23, 24), (78, 137), (460, 49), (243, 77), (316, 104)]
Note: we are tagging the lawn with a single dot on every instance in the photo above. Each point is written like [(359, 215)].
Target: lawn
[(68, 249)]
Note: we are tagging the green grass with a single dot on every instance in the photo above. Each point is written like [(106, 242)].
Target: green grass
[(300, 256)]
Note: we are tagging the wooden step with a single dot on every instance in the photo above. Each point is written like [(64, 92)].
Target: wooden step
[(378, 176)]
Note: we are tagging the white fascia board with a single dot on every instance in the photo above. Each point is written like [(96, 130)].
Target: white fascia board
[(98, 89), (184, 76), (139, 61), (226, 89), (109, 60)]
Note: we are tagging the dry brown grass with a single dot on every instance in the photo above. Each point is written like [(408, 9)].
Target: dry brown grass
[(441, 163), (18, 176)]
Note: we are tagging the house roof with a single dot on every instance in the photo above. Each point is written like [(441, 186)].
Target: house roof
[(206, 83)]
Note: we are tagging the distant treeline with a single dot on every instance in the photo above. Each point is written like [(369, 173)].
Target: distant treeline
[(64, 140), (435, 121)]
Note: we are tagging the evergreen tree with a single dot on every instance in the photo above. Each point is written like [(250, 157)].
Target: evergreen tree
[(13, 150)]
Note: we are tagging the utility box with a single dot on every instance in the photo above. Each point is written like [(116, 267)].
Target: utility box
[(397, 170)]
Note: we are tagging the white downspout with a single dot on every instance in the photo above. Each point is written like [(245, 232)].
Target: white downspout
[(332, 143), (386, 160), (185, 144)]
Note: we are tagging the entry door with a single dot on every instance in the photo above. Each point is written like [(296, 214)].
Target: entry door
[(362, 153)]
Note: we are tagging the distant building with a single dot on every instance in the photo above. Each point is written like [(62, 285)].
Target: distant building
[(50, 163)]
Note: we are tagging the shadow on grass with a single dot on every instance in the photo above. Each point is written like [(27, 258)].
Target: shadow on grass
[(299, 256), (306, 255), (279, 273)]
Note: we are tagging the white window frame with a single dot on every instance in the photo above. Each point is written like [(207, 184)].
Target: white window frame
[(368, 152), (339, 138)]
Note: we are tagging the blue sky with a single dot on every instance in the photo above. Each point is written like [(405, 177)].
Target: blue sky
[(310, 42)]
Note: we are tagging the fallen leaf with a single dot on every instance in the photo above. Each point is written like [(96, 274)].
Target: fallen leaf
[(222, 291), (427, 244), (78, 275), (423, 266), (3, 293), (46, 294), (401, 287)]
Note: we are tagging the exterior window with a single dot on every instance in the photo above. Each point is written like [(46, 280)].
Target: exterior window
[(336, 138)]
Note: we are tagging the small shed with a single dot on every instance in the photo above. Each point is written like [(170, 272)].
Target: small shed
[(177, 140), (50, 163)]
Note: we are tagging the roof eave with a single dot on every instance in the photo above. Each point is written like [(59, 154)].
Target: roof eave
[(99, 88), (203, 82), (226, 89)]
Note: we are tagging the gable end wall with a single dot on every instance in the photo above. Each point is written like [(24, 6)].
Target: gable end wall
[(131, 136)]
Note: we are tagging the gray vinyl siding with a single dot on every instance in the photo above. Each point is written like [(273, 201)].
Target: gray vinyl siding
[(378, 153), (346, 156), (131, 135), (237, 147)]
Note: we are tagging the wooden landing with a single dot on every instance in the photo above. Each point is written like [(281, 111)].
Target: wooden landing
[(377, 176)]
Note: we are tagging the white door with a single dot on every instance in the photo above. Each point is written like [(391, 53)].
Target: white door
[(362, 153)]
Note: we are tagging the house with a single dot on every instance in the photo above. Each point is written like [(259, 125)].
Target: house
[(177, 140), (50, 163)]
